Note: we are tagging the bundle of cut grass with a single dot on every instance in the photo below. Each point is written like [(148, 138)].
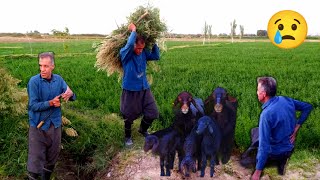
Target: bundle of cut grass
[(148, 24), (70, 131)]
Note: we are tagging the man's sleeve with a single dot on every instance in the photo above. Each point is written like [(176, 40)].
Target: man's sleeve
[(264, 143), (154, 55), (34, 100), (64, 88), (127, 51), (305, 109)]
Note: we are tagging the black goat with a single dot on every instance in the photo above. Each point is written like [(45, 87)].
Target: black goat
[(164, 143), (192, 150), (223, 109), (210, 144), (184, 118), (179, 145)]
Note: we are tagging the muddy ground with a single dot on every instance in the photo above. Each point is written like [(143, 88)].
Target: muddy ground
[(138, 165)]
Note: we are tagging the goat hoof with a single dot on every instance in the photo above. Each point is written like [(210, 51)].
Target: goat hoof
[(162, 174)]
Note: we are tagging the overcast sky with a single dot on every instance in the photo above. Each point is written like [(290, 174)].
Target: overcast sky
[(181, 16)]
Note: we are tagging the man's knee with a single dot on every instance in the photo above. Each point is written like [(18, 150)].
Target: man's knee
[(35, 164), (149, 118), (129, 118), (151, 115)]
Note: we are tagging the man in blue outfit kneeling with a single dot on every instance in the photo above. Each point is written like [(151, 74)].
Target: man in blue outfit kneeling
[(278, 125)]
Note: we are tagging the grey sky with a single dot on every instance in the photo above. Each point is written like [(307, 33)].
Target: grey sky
[(188, 16)]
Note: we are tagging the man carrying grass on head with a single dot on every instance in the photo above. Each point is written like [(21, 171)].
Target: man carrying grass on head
[(44, 91), (136, 98)]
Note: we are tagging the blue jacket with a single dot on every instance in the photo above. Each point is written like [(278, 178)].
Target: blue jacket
[(277, 123), (134, 66), (40, 91)]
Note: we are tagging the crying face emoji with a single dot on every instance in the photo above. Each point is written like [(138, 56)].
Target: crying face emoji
[(287, 29)]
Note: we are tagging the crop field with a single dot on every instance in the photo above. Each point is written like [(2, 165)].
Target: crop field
[(188, 66)]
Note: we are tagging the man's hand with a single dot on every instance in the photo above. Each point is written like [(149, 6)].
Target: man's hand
[(256, 175), (55, 101), (294, 134), (67, 95), (132, 27)]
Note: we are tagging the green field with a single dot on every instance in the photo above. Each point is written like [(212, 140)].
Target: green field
[(187, 66)]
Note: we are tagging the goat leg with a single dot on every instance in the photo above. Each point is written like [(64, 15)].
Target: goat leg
[(187, 174), (204, 164), (199, 162), (162, 166), (180, 155), (167, 165), (194, 169), (212, 160), (225, 155), (217, 158), (227, 146), (171, 159)]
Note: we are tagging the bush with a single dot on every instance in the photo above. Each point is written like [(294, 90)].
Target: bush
[(98, 141), (13, 101), (13, 141)]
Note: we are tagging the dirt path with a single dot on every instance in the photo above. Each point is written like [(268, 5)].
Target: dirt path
[(134, 164), (140, 165)]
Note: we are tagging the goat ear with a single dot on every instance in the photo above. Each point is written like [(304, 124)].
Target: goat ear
[(210, 130), (195, 105), (209, 99), (155, 144), (193, 102), (231, 99), (213, 95), (176, 101)]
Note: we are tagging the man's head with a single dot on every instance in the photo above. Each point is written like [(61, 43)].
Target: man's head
[(267, 88), (46, 64), (139, 45)]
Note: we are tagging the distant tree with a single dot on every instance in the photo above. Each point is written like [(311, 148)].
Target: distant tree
[(262, 33), (210, 31), (205, 31), (66, 30), (233, 29), (241, 31), (62, 34)]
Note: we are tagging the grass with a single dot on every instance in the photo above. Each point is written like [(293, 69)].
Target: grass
[(196, 68)]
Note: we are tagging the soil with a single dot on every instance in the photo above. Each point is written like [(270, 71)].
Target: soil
[(138, 165), (65, 168)]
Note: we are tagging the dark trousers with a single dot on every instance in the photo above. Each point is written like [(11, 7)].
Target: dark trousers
[(247, 160), (136, 103), (44, 148)]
